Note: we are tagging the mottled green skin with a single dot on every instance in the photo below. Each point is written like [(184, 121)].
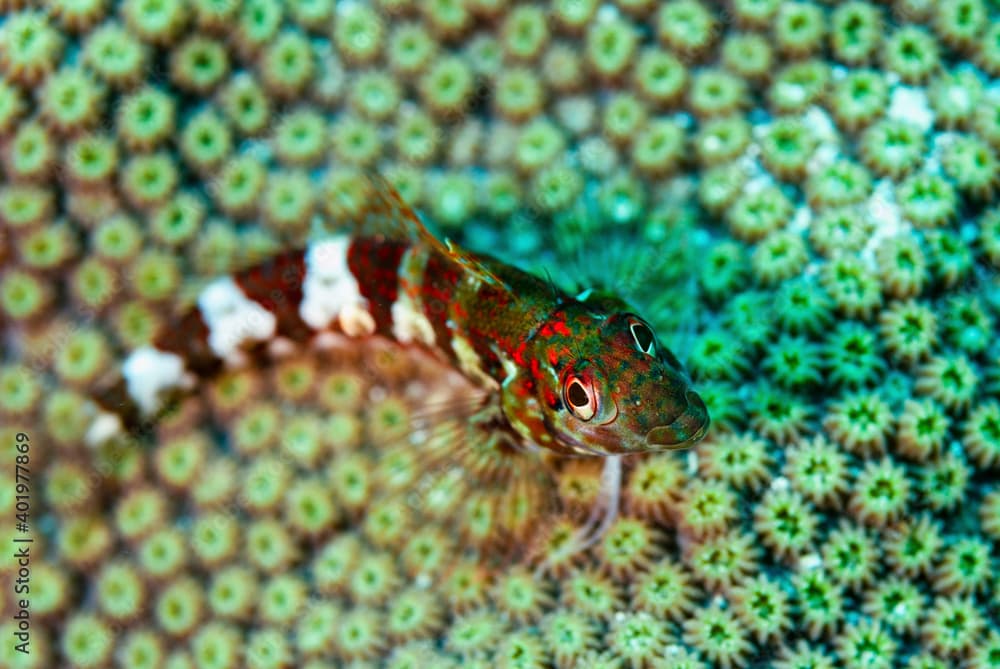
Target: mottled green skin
[(532, 339)]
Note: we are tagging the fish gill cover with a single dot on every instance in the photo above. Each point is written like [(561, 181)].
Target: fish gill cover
[(801, 197)]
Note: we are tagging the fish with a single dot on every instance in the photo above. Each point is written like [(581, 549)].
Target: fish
[(579, 375)]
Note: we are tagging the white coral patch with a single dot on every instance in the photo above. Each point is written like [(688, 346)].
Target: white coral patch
[(885, 213), (148, 372), (233, 318), (330, 290), (910, 104)]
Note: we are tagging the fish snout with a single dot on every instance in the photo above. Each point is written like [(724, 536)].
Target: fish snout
[(686, 429)]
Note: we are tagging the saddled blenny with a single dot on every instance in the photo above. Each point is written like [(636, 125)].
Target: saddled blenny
[(576, 375)]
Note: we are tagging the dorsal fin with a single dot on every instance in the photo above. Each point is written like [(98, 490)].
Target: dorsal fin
[(604, 300), (383, 213)]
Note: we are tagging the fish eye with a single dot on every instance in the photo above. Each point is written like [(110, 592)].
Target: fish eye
[(643, 337), (580, 398)]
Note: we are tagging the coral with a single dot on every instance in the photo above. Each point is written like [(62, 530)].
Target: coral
[(842, 182), (859, 98), (813, 189), (866, 644), (952, 625), (785, 522), (718, 635), (955, 96), (706, 508), (725, 267), (892, 148), (861, 422), (714, 357), (951, 261), (927, 200), (658, 148), (31, 47), (818, 470), (70, 100), (568, 635), (686, 26), (840, 229), (799, 29), (787, 148), (763, 607), (780, 256), (913, 546), (715, 92), (660, 77), (87, 641), (755, 215), (778, 415), (723, 560), (949, 379), (591, 592), (820, 600), (798, 85), (981, 434), (855, 33), (959, 23), (912, 53), (896, 603), (973, 165), (881, 493), (964, 569), (743, 461)]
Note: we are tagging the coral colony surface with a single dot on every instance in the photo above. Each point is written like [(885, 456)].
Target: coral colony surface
[(801, 196)]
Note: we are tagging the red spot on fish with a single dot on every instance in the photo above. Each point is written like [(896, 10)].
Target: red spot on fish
[(518, 353), (560, 328), (552, 399)]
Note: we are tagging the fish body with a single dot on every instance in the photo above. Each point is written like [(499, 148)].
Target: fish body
[(574, 375)]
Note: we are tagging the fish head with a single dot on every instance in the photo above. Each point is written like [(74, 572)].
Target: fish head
[(609, 387)]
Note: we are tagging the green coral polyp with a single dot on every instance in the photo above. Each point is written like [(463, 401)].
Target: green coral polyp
[(859, 98), (686, 26), (30, 47), (973, 165), (715, 92), (912, 53), (855, 33), (755, 215), (799, 28), (23, 295), (787, 148), (794, 362), (798, 85), (610, 46), (660, 76)]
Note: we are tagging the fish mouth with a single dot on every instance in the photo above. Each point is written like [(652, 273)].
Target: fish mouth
[(686, 429)]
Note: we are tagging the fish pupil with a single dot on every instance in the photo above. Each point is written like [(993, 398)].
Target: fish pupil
[(576, 395), (643, 337)]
